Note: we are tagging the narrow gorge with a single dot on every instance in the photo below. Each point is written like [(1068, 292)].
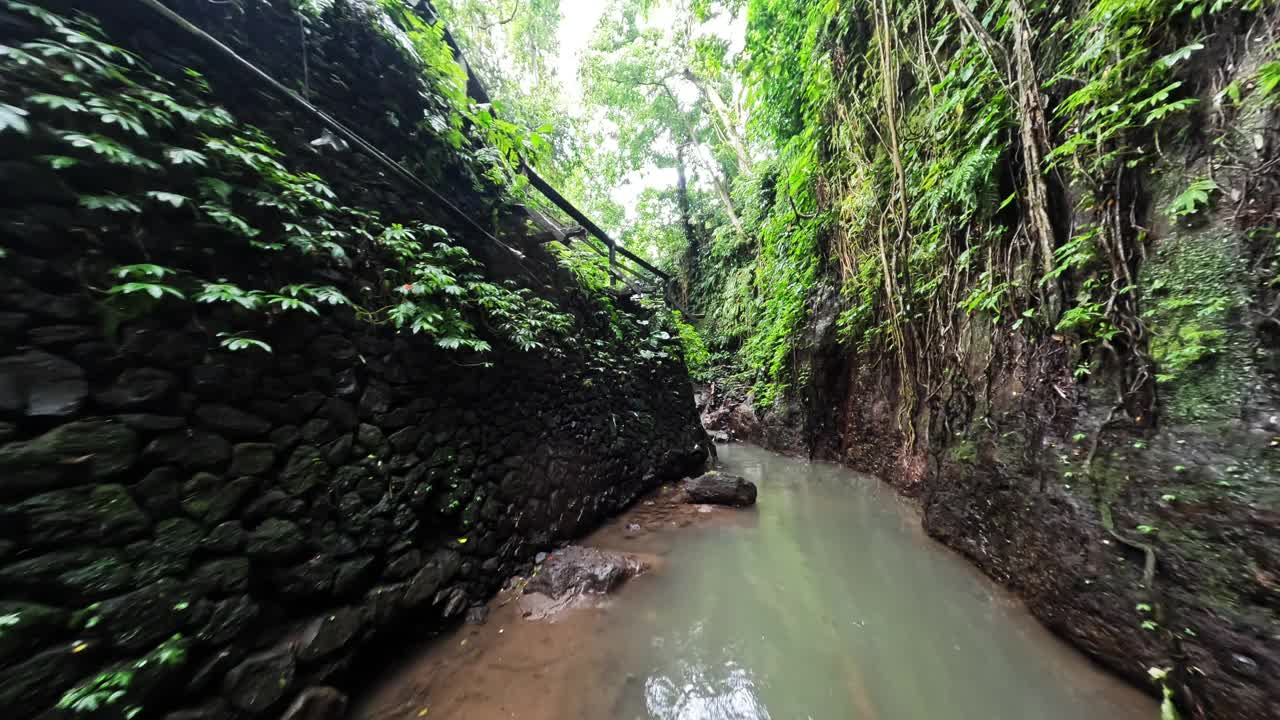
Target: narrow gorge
[(356, 352)]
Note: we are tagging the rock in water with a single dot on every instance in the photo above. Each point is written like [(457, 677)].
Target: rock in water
[(720, 489), (579, 570)]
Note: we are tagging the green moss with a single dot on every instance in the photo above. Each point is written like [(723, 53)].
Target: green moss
[(1192, 296), (963, 451)]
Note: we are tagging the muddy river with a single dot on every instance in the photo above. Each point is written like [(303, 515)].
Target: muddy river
[(824, 602)]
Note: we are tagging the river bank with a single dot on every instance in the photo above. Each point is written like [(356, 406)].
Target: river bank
[(827, 600)]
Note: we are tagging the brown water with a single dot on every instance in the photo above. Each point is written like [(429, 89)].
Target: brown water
[(825, 602)]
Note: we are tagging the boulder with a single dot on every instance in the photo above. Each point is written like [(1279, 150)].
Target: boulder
[(138, 388), (92, 514), (317, 703), (261, 680), (252, 458), (578, 570), (719, 488), (192, 449), (38, 384), (328, 634), (96, 448), (276, 539), (232, 422)]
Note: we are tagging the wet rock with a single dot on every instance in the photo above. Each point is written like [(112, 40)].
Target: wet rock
[(84, 573), (328, 634), (99, 513), (305, 470), (372, 440), (230, 619), (252, 458), (442, 566), (311, 580), (339, 451), (477, 615), (261, 680), (405, 440), (1244, 665), (577, 570), (277, 540), (144, 617), (139, 388), (719, 488), (225, 576), (216, 709), (317, 703), (30, 626), (192, 449), (37, 384), (304, 404), (403, 566), (99, 449), (143, 422), (352, 575), (232, 422), (213, 499), (376, 399), (341, 414), (226, 537), (177, 538), (213, 670), (452, 601), (161, 491), (34, 685)]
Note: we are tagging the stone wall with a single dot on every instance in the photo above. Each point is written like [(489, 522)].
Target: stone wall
[(196, 533)]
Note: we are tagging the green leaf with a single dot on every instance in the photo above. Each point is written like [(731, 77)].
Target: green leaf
[(238, 342), (183, 156), (58, 102), (168, 198), (1193, 199), (1181, 54), (142, 270), (59, 162), (14, 118), (111, 203), (154, 290)]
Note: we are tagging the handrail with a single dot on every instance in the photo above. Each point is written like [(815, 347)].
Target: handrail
[(349, 135), (476, 90)]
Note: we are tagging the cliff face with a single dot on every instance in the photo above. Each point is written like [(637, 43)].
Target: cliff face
[(198, 527), (1121, 478)]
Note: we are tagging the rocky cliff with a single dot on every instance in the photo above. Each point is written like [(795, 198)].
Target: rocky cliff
[(212, 498)]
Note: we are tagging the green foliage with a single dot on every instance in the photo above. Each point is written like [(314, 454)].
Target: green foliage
[(103, 110), (1194, 199), (113, 686)]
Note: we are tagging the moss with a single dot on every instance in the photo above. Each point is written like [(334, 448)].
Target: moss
[(1193, 297), (963, 451)]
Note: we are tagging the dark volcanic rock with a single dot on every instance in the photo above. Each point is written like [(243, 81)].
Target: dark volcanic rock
[(88, 448), (232, 422), (100, 513), (317, 703), (38, 384), (719, 488), (576, 569), (260, 681), (138, 388)]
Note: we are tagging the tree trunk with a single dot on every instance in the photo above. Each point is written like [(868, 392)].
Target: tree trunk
[(731, 134)]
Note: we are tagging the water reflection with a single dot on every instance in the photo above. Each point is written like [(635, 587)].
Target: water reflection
[(833, 604), (699, 691)]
